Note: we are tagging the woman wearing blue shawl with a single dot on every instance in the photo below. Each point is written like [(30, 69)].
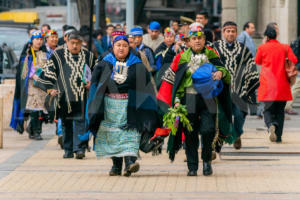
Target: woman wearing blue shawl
[(28, 98), (121, 106)]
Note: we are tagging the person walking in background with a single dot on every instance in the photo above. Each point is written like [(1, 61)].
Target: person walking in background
[(106, 39), (61, 40), (295, 45), (165, 52), (45, 28), (239, 62), (28, 98), (153, 38), (274, 89), (245, 37), (51, 42), (137, 33), (202, 18), (175, 26)]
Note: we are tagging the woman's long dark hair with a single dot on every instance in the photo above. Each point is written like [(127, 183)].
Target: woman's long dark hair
[(270, 31)]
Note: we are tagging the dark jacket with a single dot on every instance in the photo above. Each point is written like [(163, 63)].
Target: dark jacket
[(142, 104)]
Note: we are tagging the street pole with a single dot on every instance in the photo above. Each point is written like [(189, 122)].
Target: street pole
[(69, 13), (129, 14), (97, 24), (91, 24), (215, 8)]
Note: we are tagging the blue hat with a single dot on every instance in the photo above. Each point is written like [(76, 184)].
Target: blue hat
[(121, 37), (36, 34), (154, 25), (204, 83), (136, 31)]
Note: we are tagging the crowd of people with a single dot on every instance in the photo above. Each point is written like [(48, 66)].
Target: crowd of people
[(120, 91)]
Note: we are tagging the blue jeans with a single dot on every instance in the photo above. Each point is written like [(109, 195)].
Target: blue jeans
[(239, 119), (71, 128)]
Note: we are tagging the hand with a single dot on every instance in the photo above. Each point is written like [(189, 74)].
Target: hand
[(177, 45), (217, 75), (88, 85), (53, 92), (35, 77)]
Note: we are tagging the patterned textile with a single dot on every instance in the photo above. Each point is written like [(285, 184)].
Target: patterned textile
[(111, 140), (36, 98), (64, 71), (240, 64)]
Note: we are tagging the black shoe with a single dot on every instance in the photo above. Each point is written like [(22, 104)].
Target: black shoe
[(207, 169), (31, 136), (278, 140), (127, 173), (192, 173), (38, 137), (68, 155), (133, 168), (80, 154), (238, 143), (115, 172), (60, 141)]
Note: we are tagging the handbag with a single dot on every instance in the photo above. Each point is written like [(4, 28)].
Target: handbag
[(290, 69)]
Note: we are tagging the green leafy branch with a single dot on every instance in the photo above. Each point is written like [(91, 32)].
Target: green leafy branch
[(169, 119)]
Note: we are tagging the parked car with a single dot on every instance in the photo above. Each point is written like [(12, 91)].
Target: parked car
[(14, 35), (8, 62)]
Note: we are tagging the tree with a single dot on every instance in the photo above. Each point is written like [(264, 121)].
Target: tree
[(102, 14), (84, 7), (84, 11)]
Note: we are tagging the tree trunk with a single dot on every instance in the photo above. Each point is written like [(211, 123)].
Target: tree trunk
[(84, 11), (140, 4), (102, 15)]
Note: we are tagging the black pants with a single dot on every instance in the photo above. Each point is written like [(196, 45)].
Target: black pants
[(118, 162), (72, 126), (35, 124), (202, 116), (274, 115)]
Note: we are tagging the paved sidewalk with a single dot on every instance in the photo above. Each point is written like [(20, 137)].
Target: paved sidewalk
[(260, 170)]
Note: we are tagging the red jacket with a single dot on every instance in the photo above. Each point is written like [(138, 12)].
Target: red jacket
[(274, 85)]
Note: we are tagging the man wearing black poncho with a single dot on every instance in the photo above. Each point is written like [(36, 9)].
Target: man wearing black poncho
[(238, 60), (65, 76)]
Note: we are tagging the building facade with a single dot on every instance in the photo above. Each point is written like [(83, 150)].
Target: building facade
[(262, 12)]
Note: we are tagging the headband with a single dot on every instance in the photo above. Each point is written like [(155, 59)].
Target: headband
[(118, 32), (229, 26), (121, 37), (137, 31), (195, 33)]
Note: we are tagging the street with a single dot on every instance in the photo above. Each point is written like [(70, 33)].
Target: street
[(260, 170)]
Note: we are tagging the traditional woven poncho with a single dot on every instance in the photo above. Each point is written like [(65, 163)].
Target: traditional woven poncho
[(238, 61), (64, 71)]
